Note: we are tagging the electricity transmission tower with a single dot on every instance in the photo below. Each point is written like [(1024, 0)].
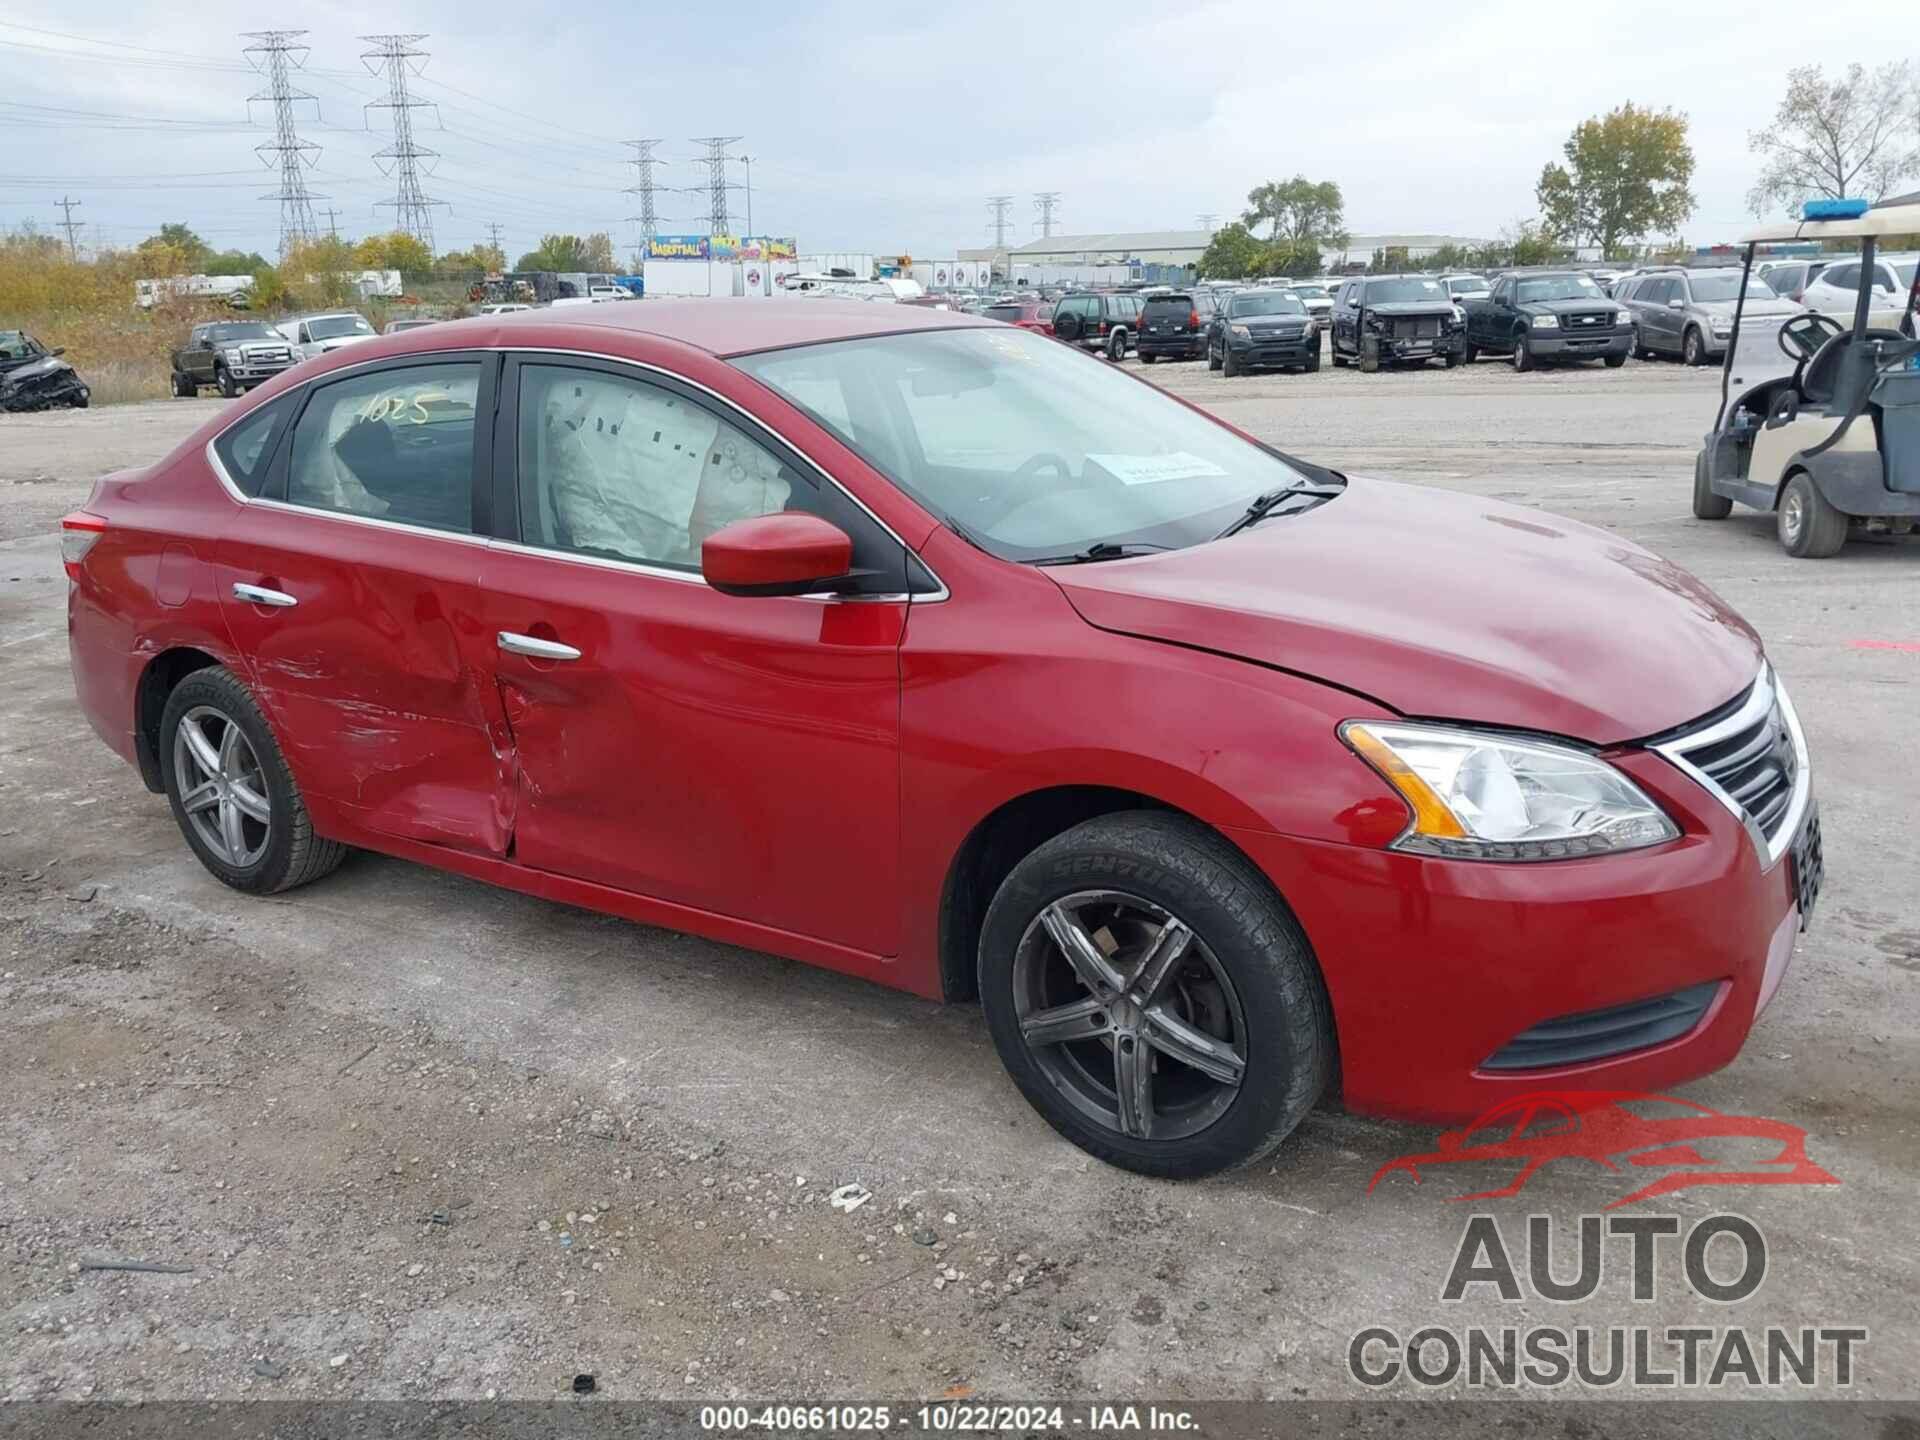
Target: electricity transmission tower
[(275, 54), (1044, 203), (1208, 223), (717, 222), (70, 225), (412, 209), (998, 206), (643, 162)]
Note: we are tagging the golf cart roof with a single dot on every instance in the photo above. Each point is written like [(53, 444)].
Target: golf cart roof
[(1902, 218)]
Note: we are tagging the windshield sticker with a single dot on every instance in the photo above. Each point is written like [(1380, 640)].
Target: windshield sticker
[(1150, 469)]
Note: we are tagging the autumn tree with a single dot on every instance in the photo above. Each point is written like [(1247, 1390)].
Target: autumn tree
[(394, 251), (599, 248), (1627, 173), (1855, 136)]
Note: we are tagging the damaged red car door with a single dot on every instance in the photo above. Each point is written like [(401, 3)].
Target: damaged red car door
[(349, 586)]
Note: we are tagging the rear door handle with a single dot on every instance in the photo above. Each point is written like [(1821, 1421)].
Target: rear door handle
[(534, 646), (260, 595)]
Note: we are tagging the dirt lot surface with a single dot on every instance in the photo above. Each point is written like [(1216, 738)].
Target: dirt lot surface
[(407, 1136)]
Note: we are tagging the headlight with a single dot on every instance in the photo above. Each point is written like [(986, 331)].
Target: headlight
[(232, 356), (1723, 327), (1241, 331), (1624, 317), (1481, 796), (1546, 322)]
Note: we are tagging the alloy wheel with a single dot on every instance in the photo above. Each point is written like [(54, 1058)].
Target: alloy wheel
[(1793, 516), (1129, 1015), (223, 791)]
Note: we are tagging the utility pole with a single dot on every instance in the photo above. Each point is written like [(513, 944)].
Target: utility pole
[(275, 54), (643, 162), (1044, 203), (998, 206), (70, 225), (333, 225), (493, 242), (747, 161), (412, 209), (1208, 223), (717, 222)]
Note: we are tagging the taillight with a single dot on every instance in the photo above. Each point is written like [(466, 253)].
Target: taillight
[(1193, 319), (1103, 327), (78, 532)]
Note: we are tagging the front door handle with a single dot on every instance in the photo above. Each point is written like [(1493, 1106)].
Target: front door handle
[(535, 647), (260, 595)]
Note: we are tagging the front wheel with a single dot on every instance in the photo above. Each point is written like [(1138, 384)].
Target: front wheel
[(1469, 355), (1614, 362), (1369, 358), (1213, 357), (229, 387), (1167, 1017), (1313, 363), (1707, 505), (1810, 527), (1229, 366), (1693, 349), (231, 792)]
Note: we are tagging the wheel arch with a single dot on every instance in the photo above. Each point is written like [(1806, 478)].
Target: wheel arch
[(157, 681)]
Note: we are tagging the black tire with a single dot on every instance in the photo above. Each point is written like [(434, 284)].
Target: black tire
[(1706, 504), (1523, 360), (289, 853), (1339, 360), (1693, 349), (1146, 359), (1469, 355), (1369, 358), (183, 386), (1810, 528), (1229, 366), (1066, 327), (1614, 362), (1313, 363), (228, 386), (1273, 988), (1117, 346), (1214, 361), (1450, 361)]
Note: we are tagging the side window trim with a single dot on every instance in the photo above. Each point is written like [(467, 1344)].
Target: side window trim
[(486, 398), (505, 449)]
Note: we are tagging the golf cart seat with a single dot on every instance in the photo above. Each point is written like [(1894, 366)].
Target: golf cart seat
[(1840, 372)]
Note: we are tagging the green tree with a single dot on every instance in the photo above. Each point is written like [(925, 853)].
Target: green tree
[(1303, 214), (234, 262), (1232, 254), (599, 248), (556, 252), (1627, 173), (396, 250), (1853, 137), (179, 244), (1531, 243)]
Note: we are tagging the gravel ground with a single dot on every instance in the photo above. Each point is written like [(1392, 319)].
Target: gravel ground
[(408, 1136)]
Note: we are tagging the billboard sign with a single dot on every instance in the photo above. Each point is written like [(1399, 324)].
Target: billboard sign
[(677, 247)]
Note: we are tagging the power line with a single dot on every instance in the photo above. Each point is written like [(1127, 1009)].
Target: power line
[(412, 208), (282, 54), (1044, 202), (717, 222), (70, 224), (998, 206)]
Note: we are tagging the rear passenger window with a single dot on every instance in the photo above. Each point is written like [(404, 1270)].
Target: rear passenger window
[(393, 445), (246, 449)]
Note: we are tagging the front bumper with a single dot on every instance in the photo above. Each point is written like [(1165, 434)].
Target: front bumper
[(1260, 351), (256, 374), (1549, 345), (1434, 966), (1395, 347)]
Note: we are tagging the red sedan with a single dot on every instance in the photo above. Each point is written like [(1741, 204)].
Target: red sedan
[(924, 648)]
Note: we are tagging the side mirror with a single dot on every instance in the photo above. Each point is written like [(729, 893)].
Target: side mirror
[(785, 554), (1676, 304), (58, 350)]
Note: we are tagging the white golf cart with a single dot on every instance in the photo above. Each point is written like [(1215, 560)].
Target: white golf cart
[(1820, 422)]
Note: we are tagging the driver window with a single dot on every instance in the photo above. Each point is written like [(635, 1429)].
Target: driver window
[(1843, 277)]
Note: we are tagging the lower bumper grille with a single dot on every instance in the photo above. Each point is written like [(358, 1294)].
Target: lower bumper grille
[(1602, 1034), (1426, 327)]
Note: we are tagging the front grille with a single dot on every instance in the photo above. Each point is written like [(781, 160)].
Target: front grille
[(1602, 1034), (1588, 320), (1752, 756), (267, 355), (1422, 327)]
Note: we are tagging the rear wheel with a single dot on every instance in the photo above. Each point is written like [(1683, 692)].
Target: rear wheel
[(1167, 1017), (1706, 504), (183, 386), (231, 792), (1147, 358), (1117, 346), (1810, 527)]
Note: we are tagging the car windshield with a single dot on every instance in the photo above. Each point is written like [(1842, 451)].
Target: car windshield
[(1905, 272), (1311, 292), (247, 330), (1268, 302), (1034, 449), (1724, 286), (1401, 292), (1467, 285), (1558, 287), (17, 345), (332, 327)]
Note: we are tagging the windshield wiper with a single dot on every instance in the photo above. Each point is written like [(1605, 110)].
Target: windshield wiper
[(1101, 550), (1265, 504)]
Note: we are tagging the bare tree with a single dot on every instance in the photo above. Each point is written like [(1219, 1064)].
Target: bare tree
[(1856, 136)]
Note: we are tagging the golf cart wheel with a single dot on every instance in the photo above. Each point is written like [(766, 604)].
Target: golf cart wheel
[(1706, 504), (1810, 527), (1693, 349), (1153, 997)]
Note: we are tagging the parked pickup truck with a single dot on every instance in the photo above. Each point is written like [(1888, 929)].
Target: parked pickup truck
[(1537, 316), (1395, 319), (234, 355)]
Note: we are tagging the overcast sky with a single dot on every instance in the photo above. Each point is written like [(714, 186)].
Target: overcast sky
[(884, 128)]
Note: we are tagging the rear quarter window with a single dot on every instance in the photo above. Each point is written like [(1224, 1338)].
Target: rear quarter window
[(246, 448)]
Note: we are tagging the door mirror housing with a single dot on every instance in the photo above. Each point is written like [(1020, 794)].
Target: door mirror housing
[(1676, 304), (58, 350), (785, 554)]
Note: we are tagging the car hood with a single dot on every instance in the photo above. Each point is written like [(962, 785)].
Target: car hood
[(1444, 605), (1412, 307), (1768, 306), (1567, 307), (337, 341)]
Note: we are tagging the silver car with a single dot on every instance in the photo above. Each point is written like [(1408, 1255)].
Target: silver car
[(1689, 313)]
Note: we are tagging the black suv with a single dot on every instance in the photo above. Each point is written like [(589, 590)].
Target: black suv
[(1388, 319), (1175, 326), (1263, 328), (1107, 323)]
